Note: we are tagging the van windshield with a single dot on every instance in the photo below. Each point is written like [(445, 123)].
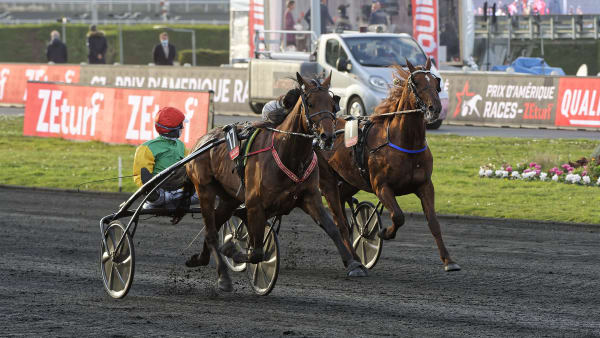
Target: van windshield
[(385, 51)]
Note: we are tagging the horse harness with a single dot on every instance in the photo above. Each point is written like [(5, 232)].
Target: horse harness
[(361, 145), (249, 134)]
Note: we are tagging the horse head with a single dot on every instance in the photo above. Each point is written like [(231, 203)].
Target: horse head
[(425, 88), (318, 108)]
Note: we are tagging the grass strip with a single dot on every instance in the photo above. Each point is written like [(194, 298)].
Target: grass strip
[(46, 162)]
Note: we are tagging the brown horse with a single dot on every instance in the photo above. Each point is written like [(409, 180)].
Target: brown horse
[(268, 189), (397, 159)]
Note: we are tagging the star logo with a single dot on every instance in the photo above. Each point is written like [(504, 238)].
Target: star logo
[(465, 94)]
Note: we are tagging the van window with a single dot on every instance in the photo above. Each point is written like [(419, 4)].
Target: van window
[(333, 51), (385, 51)]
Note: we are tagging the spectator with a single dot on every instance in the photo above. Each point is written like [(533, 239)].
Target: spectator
[(512, 8), (578, 11), (96, 43), (56, 50), (342, 23), (290, 39), (164, 53), (377, 17), (325, 17)]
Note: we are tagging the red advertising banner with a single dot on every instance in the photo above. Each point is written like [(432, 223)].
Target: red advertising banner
[(112, 115), (425, 25), (256, 21), (578, 102), (14, 77)]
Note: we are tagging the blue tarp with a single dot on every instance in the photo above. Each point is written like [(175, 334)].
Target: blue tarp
[(530, 66)]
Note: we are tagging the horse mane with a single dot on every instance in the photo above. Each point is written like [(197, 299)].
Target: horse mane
[(395, 93)]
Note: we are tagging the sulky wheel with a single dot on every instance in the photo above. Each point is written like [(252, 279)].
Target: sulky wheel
[(234, 230), (365, 241), (263, 275), (117, 266)]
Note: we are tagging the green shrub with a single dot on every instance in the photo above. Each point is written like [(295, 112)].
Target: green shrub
[(27, 43), (204, 57)]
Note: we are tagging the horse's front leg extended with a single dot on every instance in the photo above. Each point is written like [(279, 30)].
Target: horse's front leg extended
[(427, 196), (313, 205), (386, 195), (331, 192)]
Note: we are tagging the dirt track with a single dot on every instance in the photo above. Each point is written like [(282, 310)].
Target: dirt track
[(517, 279)]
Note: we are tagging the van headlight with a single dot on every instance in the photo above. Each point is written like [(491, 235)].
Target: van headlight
[(378, 82)]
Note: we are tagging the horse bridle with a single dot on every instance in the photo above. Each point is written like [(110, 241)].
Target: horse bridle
[(413, 88), (308, 117)]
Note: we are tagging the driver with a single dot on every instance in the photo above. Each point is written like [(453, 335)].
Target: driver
[(275, 111), (156, 155)]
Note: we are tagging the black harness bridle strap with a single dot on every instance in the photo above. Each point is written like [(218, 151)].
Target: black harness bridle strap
[(308, 117)]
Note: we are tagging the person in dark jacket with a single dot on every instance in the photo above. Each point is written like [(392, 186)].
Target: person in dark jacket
[(96, 43), (56, 50), (164, 53), (325, 17)]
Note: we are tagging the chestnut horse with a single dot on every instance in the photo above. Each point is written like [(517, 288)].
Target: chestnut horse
[(269, 189), (396, 157)]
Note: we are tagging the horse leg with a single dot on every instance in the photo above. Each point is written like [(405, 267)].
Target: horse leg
[(207, 205), (313, 205), (255, 222), (222, 214), (427, 196), (332, 195), (388, 198)]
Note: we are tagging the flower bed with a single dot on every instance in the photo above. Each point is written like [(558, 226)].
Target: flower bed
[(583, 172)]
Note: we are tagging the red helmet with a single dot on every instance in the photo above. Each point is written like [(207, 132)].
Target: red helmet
[(168, 119)]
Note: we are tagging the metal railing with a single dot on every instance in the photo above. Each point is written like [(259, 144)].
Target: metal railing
[(549, 27)]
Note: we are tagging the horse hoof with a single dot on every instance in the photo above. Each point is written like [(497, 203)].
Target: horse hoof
[(256, 256), (224, 284), (382, 233), (355, 269), (452, 267), (228, 249), (197, 260)]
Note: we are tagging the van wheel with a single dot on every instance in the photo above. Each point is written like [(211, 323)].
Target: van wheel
[(356, 107), (256, 107), (434, 125)]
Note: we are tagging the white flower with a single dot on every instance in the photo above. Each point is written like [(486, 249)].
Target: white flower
[(543, 176), (481, 172), (555, 178), (598, 183), (528, 175), (498, 173), (489, 173), (576, 178), (586, 180), (569, 178), (504, 173), (515, 174)]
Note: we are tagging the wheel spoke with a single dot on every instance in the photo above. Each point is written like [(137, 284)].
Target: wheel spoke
[(110, 276), (126, 260), (271, 260), (254, 273), (265, 277), (371, 245), (112, 240), (356, 242), (119, 276), (364, 252)]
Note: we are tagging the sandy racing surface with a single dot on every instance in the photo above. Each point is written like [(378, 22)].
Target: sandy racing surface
[(517, 279)]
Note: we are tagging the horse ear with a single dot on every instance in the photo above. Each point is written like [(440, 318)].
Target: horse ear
[(428, 63), (411, 68), (301, 80), (327, 80)]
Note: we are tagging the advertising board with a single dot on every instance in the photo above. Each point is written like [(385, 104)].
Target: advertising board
[(513, 100), (230, 85), (108, 114), (578, 102), (14, 77)]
